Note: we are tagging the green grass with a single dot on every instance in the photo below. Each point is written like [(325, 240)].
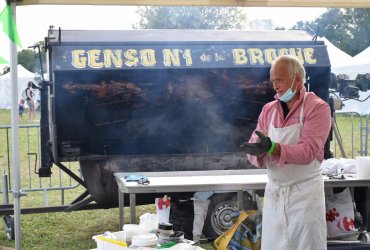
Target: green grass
[(74, 230), (60, 230), (348, 127)]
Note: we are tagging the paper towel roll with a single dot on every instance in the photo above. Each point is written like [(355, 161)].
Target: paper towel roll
[(363, 167)]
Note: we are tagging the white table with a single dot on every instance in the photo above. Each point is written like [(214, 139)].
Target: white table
[(211, 180)]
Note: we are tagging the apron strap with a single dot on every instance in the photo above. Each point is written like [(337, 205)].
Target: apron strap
[(300, 116), (272, 117)]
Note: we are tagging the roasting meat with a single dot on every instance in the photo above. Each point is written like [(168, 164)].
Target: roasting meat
[(109, 92)]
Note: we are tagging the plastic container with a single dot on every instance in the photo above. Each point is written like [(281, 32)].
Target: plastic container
[(165, 228), (113, 241), (130, 231), (145, 240), (363, 167)]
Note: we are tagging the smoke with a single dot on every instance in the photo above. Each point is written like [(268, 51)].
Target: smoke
[(164, 112)]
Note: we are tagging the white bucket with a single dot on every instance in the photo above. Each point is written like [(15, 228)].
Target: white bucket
[(363, 167), (130, 231)]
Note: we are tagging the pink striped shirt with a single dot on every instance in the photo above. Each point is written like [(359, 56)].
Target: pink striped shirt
[(315, 131)]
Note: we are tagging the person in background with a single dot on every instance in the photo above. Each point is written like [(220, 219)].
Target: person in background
[(21, 108), (289, 140), (30, 101)]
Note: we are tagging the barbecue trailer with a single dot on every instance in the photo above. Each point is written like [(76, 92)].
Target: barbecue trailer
[(161, 100)]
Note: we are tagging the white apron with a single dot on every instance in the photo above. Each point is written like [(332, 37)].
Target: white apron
[(294, 203)]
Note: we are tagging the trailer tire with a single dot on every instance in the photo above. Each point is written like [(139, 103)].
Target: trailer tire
[(364, 237), (219, 218)]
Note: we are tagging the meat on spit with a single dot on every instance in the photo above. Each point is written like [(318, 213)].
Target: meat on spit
[(109, 93)]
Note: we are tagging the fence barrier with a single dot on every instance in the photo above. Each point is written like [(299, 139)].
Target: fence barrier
[(351, 138), (29, 147)]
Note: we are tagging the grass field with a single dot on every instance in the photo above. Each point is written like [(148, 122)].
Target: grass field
[(74, 230), (59, 230)]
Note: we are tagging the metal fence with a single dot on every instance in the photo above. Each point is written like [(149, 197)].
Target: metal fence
[(29, 147), (350, 139), (350, 135)]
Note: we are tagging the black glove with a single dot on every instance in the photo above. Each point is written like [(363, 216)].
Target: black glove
[(257, 148)]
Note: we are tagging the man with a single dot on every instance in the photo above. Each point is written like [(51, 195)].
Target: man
[(289, 140)]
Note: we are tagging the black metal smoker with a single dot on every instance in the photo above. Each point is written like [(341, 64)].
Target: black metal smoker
[(161, 100)]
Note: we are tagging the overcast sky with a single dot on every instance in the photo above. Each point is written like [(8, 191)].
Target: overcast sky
[(33, 21)]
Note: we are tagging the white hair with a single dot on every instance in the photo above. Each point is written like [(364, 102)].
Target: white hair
[(295, 66)]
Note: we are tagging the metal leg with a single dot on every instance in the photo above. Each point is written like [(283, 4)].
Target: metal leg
[(337, 136), (132, 208), (121, 204), (254, 196), (240, 200)]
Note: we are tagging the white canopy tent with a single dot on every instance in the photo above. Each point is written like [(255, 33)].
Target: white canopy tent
[(359, 64), (363, 57), (338, 58), (352, 70), (24, 76)]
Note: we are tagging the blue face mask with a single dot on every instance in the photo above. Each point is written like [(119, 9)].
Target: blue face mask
[(289, 94)]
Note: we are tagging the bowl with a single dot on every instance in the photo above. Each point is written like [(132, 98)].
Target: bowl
[(145, 240)]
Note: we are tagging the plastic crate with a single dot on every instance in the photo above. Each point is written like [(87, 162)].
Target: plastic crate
[(105, 243)]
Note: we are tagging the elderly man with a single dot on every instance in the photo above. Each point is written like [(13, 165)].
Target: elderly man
[(289, 140)]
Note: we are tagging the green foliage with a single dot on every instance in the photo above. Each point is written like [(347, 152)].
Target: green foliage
[(30, 59), (348, 29), (213, 18), (5, 70), (27, 58)]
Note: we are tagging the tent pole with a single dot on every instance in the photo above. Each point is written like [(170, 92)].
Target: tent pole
[(15, 138)]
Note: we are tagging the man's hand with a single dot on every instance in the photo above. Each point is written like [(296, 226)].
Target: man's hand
[(257, 148)]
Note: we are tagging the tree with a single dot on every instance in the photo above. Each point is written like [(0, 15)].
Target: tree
[(26, 58), (361, 29), (348, 29), (214, 18), (29, 59)]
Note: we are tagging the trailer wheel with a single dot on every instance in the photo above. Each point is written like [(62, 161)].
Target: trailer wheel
[(9, 227), (219, 218), (364, 237)]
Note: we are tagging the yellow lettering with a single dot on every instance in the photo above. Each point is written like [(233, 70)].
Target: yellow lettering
[(308, 55), (283, 51), (239, 56), (132, 58), (113, 56), (256, 55), (94, 57), (188, 58), (148, 57), (298, 53), (79, 59), (171, 56), (270, 55)]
